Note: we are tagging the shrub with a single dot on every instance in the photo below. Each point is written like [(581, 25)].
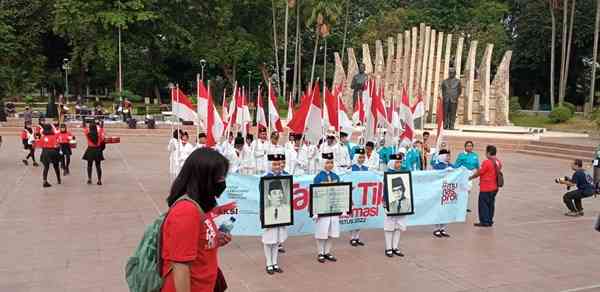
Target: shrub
[(568, 105), (28, 99), (129, 95), (514, 105), (560, 114), (595, 117)]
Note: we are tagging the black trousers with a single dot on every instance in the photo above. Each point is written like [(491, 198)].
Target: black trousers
[(449, 114), (573, 198), (65, 162), (98, 169), (31, 154), (487, 207), (47, 167)]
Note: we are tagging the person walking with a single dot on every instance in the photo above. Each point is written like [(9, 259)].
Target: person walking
[(28, 140), (64, 141), (190, 238), (94, 153), (50, 154), (488, 186)]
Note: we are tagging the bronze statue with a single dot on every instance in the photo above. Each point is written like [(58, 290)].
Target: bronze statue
[(358, 82), (451, 90)]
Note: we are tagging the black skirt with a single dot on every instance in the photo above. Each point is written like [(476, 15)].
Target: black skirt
[(26, 144), (50, 155), (65, 148), (93, 154)]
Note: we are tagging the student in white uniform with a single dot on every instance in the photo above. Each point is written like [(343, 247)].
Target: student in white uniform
[(372, 161), (273, 238), (173, 149), (326, 228), (289, 145), (394, 225), (185, 150), (239, 158), (359, 165), (274, 147), (259, 149), (296, 159), (227, 145)]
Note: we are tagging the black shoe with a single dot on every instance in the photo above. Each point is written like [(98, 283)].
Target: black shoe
[(580, 213), (66, 172), (360, 242), (25, 162), (438, 234), (277, 269), (281, 249), (468, 210), (444, 234), (321, 258), (397, 252), (353, 242), (35, 164), (330, 257), (89, 182), (59, 181), (482, 225), (99, 183), (389, 253), (46, 184), (270, 270)]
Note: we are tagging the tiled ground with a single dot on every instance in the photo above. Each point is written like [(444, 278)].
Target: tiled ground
[(76, 237)]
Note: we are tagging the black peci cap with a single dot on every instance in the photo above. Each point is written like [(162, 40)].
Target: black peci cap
[(398, 156), (327, 156), (276, 157), (444, 151), (359, 150)]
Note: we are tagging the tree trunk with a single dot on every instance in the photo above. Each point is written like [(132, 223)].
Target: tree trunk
[(569, 43), (314, 63), (589, 107), (563, 58), (552, 57), (285, 45), (275, 41), (345, 31)]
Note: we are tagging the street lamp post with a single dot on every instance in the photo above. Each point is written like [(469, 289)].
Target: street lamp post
[(120, 69), (67, 67), (202, 64)]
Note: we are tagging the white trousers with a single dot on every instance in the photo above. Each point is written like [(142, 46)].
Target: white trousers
[(392, 239)]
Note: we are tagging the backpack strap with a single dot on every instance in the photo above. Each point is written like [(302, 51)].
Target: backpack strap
[(159, 261)]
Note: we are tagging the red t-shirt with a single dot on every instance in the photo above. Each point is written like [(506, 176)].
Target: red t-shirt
[(488, 181), (188, 237)]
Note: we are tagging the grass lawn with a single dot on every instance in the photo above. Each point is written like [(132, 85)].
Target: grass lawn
[(577, 124)]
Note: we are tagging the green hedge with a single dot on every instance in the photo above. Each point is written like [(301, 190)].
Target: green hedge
[(568, 105), (560, 114)]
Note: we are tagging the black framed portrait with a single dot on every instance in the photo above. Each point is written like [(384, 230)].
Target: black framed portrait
[(276, 201), (331, 199), (398, 193)]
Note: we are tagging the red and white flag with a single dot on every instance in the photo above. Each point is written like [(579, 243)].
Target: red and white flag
[(182, 106), (209, 115), (377, 112), (274, 119), (224, 106), (418, 109), (336, 115), (359, 111), (406, 116), (307, 119), (261, 119), (246, 117)]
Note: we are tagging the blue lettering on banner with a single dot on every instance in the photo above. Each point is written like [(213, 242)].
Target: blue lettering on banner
[(448, 186)]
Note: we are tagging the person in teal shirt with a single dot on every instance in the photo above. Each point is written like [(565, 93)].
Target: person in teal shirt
[(468, 158), (385, 152), (413, 161)]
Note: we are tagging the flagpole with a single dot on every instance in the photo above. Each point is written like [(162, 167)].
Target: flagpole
[(230, 118), (198, 80), (172, 129), (177, 115)]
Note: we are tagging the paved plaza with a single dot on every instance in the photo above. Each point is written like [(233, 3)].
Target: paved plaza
[(75, 237)]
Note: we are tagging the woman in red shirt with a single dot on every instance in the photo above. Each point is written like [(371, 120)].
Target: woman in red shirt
[(190, 237), (488, 187), (49, 144), (93, 154), (64, 141)]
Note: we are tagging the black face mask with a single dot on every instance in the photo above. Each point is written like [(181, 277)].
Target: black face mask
[(220, 188)]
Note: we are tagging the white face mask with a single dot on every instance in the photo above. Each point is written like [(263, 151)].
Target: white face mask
[(443, 158)]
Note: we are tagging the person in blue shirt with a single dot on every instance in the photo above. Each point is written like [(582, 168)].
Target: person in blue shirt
[(468, 159), (394, 225), (273, 238), (585, 188), (385, 152), (413, 157), (358, 166), (442, 163), (326, 228)]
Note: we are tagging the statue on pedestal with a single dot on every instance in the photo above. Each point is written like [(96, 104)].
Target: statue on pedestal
[(451, 90), (358, 82)]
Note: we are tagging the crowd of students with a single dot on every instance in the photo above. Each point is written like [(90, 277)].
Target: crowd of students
[(56, 143)]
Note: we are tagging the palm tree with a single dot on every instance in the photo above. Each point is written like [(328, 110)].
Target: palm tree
[(324, 15)]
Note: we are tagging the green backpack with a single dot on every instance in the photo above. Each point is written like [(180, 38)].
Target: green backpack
[(143, 269)]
